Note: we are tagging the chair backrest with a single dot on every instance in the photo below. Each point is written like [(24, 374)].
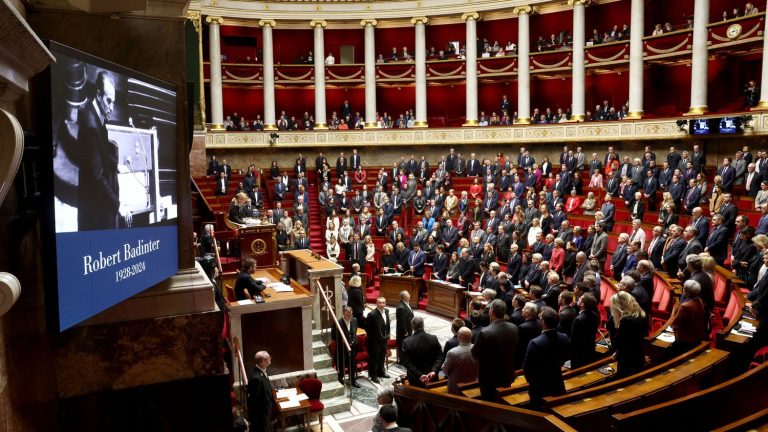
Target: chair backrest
[(312, 387), (721, 288), (230, 293), (361, 343), (733, 307), (658, 290), (666, 300)]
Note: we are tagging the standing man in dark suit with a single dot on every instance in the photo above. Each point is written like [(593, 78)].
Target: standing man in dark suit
[(213, 166), (354, 160), (701, 224), (98, 190), (583, 331), (440, 263), (672, 250), (729, 212), (544, 360), (378, 329), (609, 212), (752, 181), (345, 358), (650, 186), (260, 398), (416, 260), (494, 351), (403, 317), (728, 174), (698, 159), (341, 165), (421, 354), (717, 243), (692, 247), (656, 246)]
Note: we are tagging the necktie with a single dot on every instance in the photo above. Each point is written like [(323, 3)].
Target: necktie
[(651, 246)]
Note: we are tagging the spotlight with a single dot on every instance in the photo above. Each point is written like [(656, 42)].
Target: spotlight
[(681, 124), (273, 138)]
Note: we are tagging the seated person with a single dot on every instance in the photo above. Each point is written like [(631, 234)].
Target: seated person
[(246, 287)]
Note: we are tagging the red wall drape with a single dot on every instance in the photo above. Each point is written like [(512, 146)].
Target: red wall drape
[(289, 45), (387, 38)]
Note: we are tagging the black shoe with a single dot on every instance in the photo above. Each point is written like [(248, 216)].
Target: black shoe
[(385, 376), (355, 385), (375, 380)]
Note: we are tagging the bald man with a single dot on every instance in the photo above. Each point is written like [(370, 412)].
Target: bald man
[(460, 366), (260, 398)]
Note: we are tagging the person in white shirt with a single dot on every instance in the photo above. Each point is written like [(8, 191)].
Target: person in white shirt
[(637, 233), (330, 59)]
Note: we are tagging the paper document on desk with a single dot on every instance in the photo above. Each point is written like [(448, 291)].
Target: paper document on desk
[(263, 280), (280, 287), (666, 337), (244, 302), (289, 404), (286, 393), (298, 397)]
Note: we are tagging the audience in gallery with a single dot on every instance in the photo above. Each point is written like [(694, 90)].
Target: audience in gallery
[(510, 232)]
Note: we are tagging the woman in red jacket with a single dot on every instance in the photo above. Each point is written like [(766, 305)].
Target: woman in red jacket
[(558, 256)]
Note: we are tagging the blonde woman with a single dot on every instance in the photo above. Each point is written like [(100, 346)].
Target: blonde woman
[(708, 265), (370, 250), (388, 260), (533, 231), (331, 231), (297, 228), (332, 248), (628, 336)]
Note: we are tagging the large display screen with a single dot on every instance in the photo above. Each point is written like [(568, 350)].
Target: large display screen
[(114, 182)]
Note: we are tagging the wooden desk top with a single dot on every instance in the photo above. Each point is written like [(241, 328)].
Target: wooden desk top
[(304, 405), (641, 387), (305, 256), (275, 300), (574, 382)]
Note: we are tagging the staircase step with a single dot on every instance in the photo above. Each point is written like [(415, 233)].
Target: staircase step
[(336, 405), (332, 389), (327, 375), (322, 361), (318, 347)]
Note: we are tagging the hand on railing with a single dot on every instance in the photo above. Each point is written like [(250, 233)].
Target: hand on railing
[(333, 315)]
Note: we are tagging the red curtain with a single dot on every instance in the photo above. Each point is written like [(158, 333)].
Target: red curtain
[(289, 45)]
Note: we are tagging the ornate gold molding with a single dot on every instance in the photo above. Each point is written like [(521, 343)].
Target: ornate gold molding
[(315, 23), (196, 19), (579, 2), (527, 9), (467, 15), (365, 22), (268, 22), (218, 20), (420, 20)]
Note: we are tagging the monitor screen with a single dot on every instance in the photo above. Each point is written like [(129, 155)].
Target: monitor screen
[(729, 125), (700, 127), (113, 138)]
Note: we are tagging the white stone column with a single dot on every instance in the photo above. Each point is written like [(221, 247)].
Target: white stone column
[(636, 73), (523, 63), (268, 74), (421, 71), (471, 68), (763, 104), (319, 53), (577, 76), (700, 59), (370, 72), (214, 49)]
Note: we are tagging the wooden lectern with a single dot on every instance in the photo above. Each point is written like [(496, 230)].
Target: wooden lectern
[(445, 298), (258, 242), (392, 284)]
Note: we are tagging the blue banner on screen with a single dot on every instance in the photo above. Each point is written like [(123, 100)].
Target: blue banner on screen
[(114, 182), (106, 267)]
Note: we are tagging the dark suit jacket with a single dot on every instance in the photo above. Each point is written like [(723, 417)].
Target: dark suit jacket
[(692, 247), (244, 282), (98, 195), (349, 334), (260, 398), (529, 330), (672, 255), (377, 327), (420, 355), (567, 316), (542, 366), (583, 334), (403, 316), (717, 244), (494, 351), (628, 342)]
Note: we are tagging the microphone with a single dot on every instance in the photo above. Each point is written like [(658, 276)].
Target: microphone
[(140, 145)]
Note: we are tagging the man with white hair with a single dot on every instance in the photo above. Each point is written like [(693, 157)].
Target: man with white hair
[(619, 257), (629, 285), (260, 397), (646, 269), (637, 233), (529, 329), (421, 354), (552, 291), (689, 321)]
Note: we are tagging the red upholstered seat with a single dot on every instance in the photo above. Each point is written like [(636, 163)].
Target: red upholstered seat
[(312, 387)]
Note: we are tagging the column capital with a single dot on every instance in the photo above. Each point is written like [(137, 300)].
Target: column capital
[(579, 2), (365, 22), (196, 19), (420, 20), (527, 9), (467, 15), (315, 23), (264, 23), (212, 19)]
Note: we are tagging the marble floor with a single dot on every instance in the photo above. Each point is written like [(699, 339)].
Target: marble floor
[(364, 405)]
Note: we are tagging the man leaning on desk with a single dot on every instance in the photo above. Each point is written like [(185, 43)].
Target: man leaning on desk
[(246, 287)]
